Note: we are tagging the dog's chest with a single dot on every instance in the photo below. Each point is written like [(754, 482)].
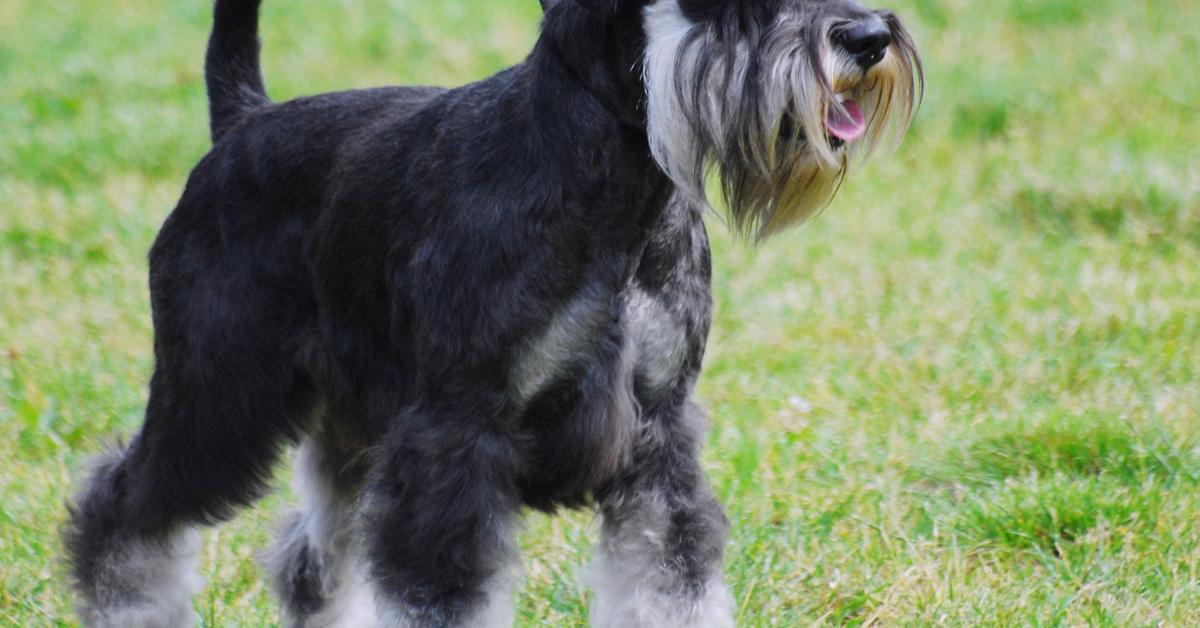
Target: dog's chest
[(587, 382), (653, 333), (649, 340), (582, 387), (657, 338)]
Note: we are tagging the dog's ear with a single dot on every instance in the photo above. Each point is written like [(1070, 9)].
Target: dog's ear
[(548, 4)]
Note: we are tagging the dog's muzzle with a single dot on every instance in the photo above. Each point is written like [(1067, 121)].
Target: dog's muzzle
[(866, 40)]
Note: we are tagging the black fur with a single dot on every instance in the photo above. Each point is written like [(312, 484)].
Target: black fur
[(390, 257), (231, 67)]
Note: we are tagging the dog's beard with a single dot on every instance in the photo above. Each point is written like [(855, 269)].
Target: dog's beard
[(760, 110)]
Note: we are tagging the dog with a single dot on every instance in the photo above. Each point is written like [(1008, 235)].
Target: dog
[(459, 304)]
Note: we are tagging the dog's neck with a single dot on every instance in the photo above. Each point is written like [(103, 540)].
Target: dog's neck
[(628, 114), (601, 54), (586, 102)]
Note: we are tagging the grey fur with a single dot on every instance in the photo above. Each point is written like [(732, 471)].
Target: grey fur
[(558, 346), (658, 561), (495, 611), (145, 584), (132, 580), (658, 338), (318, 570)]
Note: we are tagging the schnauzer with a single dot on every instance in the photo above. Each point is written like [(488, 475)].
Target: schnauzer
[(462, 303)]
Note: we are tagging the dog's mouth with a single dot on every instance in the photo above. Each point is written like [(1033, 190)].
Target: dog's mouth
[(845, 123)]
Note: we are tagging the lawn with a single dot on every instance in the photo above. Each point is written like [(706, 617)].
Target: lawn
[(967, 393)]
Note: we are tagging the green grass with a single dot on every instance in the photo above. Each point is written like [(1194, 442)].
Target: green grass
[(969, 393)]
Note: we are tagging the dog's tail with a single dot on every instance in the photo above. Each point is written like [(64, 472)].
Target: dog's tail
[(231, 68)]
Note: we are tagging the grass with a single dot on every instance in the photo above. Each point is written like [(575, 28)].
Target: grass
[(969, 393)]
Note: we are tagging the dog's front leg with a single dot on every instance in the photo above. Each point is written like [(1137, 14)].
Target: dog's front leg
[(658, 563), (439, 519)]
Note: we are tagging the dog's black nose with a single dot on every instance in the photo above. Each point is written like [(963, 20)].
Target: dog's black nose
[(866, 40)]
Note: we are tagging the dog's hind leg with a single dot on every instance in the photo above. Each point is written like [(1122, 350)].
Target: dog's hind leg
[(224, 400), (658, 564), (127, 573), (317, 566)]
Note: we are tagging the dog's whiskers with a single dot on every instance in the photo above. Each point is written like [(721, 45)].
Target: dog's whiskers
[(732, 107)]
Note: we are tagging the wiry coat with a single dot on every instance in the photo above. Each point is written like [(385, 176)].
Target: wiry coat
[(464, 302)]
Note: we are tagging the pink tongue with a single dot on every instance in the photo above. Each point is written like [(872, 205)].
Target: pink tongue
[(848, 126)]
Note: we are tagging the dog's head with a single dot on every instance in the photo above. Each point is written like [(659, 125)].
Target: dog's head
[(777, 97)]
